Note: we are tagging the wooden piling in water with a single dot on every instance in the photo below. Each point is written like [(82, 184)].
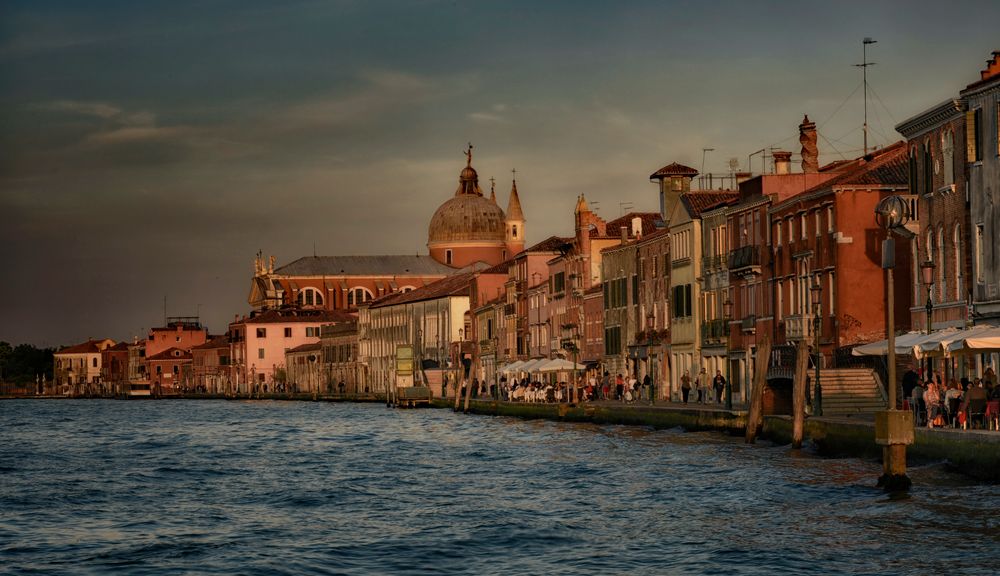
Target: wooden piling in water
[(755, 418), (799, 393)]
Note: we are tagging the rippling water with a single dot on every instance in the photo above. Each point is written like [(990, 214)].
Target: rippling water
[(169, 487)]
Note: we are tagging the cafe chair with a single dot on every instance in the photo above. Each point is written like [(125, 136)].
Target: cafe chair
[(992, 415)]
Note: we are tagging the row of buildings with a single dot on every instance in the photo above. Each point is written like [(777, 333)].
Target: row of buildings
[(792, 254)]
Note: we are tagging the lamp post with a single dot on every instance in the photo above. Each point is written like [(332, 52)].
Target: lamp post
[(927, 278), (727, 313), (496, 372), (816, 293), (650, 323)]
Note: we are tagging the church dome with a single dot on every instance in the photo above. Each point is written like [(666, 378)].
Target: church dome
[(468, 216)]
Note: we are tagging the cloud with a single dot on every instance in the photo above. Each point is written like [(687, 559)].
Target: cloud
[(485, 117), (98, 109)]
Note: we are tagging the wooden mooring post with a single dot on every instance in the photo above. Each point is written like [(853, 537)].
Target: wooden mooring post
[(799, 393), (755, 417)]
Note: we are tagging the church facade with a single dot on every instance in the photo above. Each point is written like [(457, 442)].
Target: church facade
[(466, 231)]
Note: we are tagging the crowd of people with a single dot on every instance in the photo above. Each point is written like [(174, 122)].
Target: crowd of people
[(957, 403)]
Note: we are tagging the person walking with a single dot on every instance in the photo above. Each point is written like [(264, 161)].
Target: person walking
[(619, 387), (703, 386), (647, 384), (719, 383), (685, 386)]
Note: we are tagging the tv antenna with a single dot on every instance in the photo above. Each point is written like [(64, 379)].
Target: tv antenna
[(864, 75)]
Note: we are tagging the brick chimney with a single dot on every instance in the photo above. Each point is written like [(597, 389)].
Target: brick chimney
[(810, 154), (782, 162), (624, 234)]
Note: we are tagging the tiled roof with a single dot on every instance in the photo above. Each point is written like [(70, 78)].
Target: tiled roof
[(296, 315), (90, 346), (500, 268), (457, 285), (213, 343), (550, 244), (309, 347), (649, 219), (703, 200), (364, 266), (168, 354), (119, 347), (888, 166), (674, 169)]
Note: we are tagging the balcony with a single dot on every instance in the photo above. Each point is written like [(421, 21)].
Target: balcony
[(749, 324), (715, 262), (714, 331), (799, 327), (744, 261)]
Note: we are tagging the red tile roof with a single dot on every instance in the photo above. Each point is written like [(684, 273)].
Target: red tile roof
[(309, 347), (649, 220), (213, 343), (888, 166), (90, 346), (297, 315), (674, 169), (168, 355), (704, 200), (457, 285), (550, 244)]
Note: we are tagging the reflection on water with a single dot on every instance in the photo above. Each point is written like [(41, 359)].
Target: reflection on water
[(280, 487)]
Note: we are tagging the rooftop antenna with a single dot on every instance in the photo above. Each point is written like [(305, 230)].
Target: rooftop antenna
[(623, 206), (864, 75), (703, 152)]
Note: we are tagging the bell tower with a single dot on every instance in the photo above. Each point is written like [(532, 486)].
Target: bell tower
[(514, 221)]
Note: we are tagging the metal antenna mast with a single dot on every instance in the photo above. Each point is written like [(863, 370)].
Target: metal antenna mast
[(864, 74)]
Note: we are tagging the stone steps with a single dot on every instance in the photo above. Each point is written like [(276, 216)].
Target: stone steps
[(850, 391)]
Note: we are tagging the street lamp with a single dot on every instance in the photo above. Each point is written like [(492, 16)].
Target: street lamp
[(727, 313), (650, 323), (816, 293), (927, 271)]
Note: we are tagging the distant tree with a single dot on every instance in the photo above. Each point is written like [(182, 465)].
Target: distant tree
[(23, 363)]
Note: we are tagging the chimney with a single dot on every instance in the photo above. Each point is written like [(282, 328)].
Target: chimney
[(782, 162), (810, 154), (742, 177), (637, 227), (624, 234)]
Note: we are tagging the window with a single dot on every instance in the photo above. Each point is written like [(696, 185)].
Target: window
[(915, 272), (829, 291), (514, 233), (94, 362), (929, 247), (159, 370), (288, 332), (829, 219), (974, 135), (312, 331), (956, 242), (175, 369), (310, 297), (802, 225), (942, 264), (359, 295), (612, 340), (928, 169), (260, 353), (979, 253), (777, 232), (635, 288), (558, 282), (948, 157), (913, 170), (262, 332), (781, 301), (447, 257)]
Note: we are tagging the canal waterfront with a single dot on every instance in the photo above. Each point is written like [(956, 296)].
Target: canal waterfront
[(171, 487)]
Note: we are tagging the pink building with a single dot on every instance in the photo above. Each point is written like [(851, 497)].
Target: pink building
[(259, 343)]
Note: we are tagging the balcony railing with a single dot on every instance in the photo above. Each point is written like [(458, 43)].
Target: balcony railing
[(745, 259), (749, 324), (715, 262), (714, 331), (799, 327)]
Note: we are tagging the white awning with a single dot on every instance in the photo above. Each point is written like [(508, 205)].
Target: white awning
[(985, 340), (513, 366), (904, 345), (560, 365)]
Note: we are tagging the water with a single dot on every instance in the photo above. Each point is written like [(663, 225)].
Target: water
[(172, 487)]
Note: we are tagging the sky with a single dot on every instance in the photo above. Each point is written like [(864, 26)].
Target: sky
[(148, 150)]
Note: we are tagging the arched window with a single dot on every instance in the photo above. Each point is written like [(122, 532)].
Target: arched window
[(915, 273), (928, 169), (929, 248), (358, 295), (956, 242), (942, 262), (514, 234), (948, 157), (310, 297)]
